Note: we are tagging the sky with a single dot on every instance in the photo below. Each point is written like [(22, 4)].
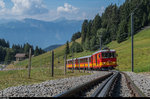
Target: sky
[(49, 10)]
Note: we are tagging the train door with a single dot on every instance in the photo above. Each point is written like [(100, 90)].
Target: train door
[(96, 60), (92, 61)]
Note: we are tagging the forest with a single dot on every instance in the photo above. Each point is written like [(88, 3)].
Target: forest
[(114, 24), (7, 54)]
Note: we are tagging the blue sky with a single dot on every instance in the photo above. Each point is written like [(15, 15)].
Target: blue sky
[(52, 9)]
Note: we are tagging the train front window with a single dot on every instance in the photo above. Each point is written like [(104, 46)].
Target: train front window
[(113, 55), (109, 55)]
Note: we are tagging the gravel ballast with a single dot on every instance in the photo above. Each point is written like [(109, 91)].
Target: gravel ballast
[(142, 81), (53, 87), (49, 88)]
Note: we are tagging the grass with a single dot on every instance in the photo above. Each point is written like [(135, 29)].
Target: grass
[(20, 77), (41, 70), (41, 64), (141, 52)]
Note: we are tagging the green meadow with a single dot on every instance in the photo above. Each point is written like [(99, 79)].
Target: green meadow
[(41, 65), (141, 54)]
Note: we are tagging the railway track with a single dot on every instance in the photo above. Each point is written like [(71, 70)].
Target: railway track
[(102, 86)]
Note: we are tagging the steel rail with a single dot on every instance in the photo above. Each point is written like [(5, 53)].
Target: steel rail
[(135, 91), (105, 87), (80, 88)]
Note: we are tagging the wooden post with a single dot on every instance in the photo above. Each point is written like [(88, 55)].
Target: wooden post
[(52, 63), (29, 65), (65, 64)]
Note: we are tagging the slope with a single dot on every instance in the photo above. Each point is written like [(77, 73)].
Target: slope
[(141, 54)]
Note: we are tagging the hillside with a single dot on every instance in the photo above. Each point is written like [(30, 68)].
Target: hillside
[(141, 52), (141, 49)]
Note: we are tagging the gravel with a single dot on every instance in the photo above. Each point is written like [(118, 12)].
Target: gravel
[(124, 90), (48, 88), (142, 81), (120, 89)]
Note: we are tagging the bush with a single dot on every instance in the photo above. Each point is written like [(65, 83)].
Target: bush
[(76, 47)]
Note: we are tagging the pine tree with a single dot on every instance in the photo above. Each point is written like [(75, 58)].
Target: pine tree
[(67, 48), (2, 54), (93, 44), (9, 56), (76, 36), (76, 47), (122, 32), (84, 30), (36, 52), (96, 24), (87, 44)]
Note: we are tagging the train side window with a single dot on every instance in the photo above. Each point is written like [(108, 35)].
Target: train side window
[(99, 55), (113, 55), (109, 55), (90, 59), (96, 59), (103, 55), (106, 55)]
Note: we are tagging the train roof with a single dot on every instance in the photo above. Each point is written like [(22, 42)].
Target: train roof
[(71, 59), (84, 57), (92, 54), (104, 51), (80, 58)]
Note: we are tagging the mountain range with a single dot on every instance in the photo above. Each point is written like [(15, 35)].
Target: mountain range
[(38, 32), (51, 47)]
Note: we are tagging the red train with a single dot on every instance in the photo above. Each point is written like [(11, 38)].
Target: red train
[(100, 60)]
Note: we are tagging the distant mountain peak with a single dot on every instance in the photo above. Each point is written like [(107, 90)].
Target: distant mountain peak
[(39, 32), (60, 19)]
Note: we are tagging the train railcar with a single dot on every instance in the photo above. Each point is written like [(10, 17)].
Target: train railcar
[(100, 60), (104, 59), (84, 62), (72, 63)]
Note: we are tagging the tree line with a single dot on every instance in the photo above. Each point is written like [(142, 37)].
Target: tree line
[(7, 54), (114, 24)]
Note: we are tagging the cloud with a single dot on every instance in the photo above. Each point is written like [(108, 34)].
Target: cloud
[(28, 7), (36, 9), (2, 4), (67, 8)]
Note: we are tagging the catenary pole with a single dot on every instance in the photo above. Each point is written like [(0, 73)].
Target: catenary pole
[(132, 43)]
